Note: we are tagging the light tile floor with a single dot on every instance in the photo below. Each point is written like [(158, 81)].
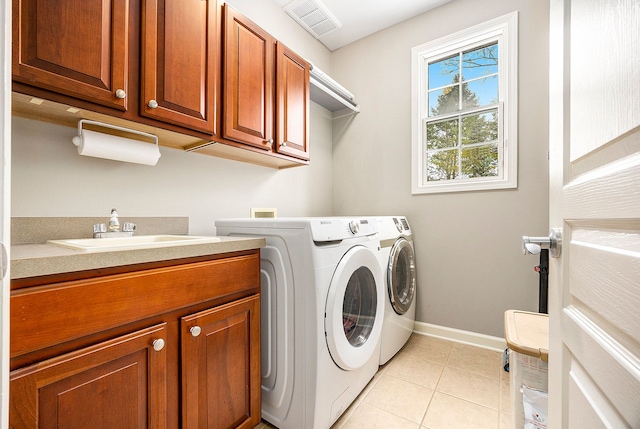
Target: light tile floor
[(433, 384)]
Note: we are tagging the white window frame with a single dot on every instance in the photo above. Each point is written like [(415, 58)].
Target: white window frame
[(504, 30)]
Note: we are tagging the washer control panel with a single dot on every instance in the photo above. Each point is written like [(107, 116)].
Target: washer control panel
[(334, 229)]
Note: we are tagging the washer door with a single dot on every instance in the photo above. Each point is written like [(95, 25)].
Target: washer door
[(354, 309), (401, 276)]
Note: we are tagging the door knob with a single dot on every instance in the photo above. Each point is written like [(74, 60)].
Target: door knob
[(533, 245), (152, 104)]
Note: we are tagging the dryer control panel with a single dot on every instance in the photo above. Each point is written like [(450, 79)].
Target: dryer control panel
[(335, 229)]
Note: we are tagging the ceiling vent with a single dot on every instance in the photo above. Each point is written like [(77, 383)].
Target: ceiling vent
[(313, 16)]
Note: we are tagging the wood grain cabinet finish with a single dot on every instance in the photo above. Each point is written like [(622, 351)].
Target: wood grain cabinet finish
[(248, 77), (196, 67), (219, 361), (266, 95), (180, 62), (116, 384), (76, 47), (292, 103), (118, 350), (82, 49)]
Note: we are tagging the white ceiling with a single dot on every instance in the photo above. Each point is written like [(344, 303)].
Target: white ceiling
[(360, 18)]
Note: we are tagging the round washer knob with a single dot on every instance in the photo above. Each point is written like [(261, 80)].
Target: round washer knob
[(195, 330), (158, 344), (354, 226)]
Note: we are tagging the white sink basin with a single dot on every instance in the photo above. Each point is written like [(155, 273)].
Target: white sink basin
[(129, 243)]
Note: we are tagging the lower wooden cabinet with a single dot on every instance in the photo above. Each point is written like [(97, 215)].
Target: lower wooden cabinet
[(162, 348), (116, 384), (218, 363)]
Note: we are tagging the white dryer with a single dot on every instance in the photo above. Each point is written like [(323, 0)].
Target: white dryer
[(398, 263), (322, 309)]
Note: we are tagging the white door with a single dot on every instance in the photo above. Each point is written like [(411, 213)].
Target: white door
[(594, 359), (5, 188)]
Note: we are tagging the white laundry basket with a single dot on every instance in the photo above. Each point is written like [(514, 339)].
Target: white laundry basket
[(527, 336)]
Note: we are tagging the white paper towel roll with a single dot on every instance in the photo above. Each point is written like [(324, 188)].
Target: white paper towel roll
[(100, 145)]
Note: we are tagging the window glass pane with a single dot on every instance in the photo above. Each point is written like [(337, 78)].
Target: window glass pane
[(480, 92), (442, 165), (466, 138), (443, 72), (444, 100), (480, 161), (442, 134), (480, 128), (480, 62)]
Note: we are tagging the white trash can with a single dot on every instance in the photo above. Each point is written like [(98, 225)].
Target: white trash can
[(527, 336)]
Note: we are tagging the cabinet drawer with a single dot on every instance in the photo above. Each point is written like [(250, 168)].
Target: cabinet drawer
[(53, 314)]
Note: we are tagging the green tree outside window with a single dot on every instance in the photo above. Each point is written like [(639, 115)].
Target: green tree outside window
[(463, 144)]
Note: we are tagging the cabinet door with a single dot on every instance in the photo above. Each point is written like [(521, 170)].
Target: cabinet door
[(292, 108), (221, 366), (179, 62), (75, 47), (117, 384), (248, 76)]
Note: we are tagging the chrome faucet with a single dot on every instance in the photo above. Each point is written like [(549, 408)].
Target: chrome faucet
[(114, 223), (100, 229)]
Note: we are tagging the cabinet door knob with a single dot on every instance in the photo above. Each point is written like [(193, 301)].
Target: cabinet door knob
[(195, 330), (283, 144), (120, 93), (152, 104), (270, 141), (158, 344)]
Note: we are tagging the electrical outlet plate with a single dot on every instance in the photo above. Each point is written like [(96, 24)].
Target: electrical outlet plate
[(264, 212)]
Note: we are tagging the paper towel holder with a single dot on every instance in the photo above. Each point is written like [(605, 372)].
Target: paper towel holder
[(77, 140)]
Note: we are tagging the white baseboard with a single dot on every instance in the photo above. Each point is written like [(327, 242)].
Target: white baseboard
[(460, 336)]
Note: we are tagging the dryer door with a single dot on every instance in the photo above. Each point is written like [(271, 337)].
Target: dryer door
[(354, 309), (401, 276)]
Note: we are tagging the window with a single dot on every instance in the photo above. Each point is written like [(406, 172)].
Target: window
[(465, 110)]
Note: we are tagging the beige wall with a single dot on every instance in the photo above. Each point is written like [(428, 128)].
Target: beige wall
[(51, 179), (470, 267)]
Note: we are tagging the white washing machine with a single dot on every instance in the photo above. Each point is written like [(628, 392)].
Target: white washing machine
[(398, 263), (322, 309)]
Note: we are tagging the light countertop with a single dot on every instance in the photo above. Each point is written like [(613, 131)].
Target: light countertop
[(33, 260)]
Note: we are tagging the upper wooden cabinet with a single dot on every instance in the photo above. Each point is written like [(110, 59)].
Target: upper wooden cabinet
[(266, 95), (180, 62), (76, 47), (292, 103), (89, 50), (194, 67), (248, 76)]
